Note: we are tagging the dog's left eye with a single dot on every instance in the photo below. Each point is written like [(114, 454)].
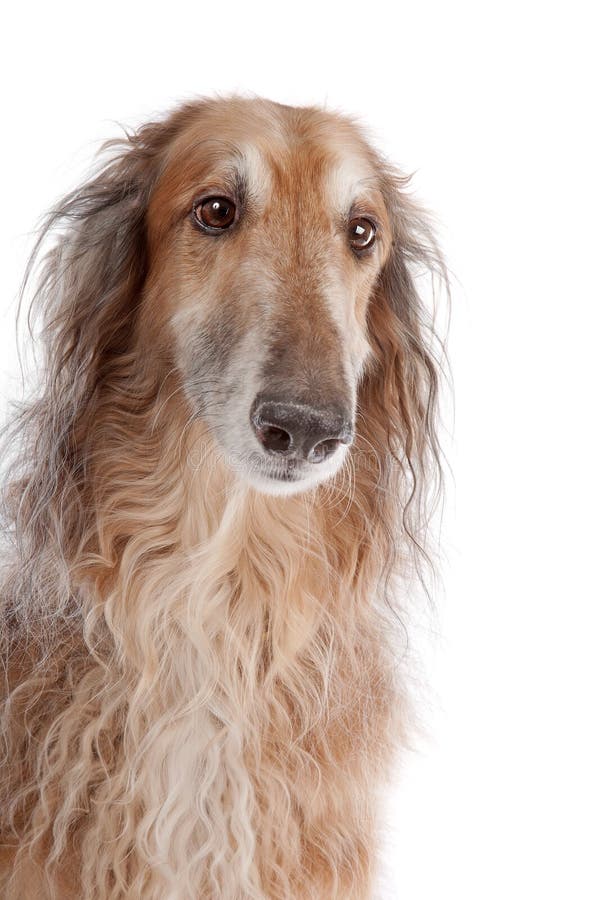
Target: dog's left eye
[(214, 213), (361, 233)]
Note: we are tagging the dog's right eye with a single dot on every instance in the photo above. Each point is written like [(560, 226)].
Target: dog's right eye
[(214, 214)]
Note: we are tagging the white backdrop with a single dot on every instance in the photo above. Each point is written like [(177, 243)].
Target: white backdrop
[(495, 107)]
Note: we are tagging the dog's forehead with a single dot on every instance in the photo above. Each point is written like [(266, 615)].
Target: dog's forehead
[(298, 169), (274, 149)]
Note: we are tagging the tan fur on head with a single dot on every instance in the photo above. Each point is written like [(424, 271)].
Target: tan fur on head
[(201, 695)]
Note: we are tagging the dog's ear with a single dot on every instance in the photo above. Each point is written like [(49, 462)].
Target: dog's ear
[(91, 280), (399, 394), (85, 290)]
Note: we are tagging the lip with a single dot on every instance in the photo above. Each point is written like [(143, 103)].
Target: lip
[(288, 470), (286, 477)]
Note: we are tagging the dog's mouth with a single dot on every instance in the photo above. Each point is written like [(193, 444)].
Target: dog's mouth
[(285, 476), (284, 470)]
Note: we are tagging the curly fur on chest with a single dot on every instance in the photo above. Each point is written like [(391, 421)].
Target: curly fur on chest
[(228, 734)]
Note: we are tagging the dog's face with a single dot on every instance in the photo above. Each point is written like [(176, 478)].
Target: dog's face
[(268, 230)]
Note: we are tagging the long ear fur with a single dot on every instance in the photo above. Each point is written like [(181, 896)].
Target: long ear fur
[(399, 395), (86, 300)]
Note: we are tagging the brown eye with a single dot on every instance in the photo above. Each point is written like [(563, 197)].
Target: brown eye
[(214, 213), (361, 233)]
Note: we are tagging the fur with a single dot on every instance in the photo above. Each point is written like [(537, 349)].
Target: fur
[(202, 696)]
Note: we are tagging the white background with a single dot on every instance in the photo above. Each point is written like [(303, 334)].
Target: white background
[(494, 106)]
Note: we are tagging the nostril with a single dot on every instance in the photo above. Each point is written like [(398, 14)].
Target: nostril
[(299, 432), (323, 450), (275, 439)]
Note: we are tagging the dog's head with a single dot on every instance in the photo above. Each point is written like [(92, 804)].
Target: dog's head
[(261, 253), (270, 229)]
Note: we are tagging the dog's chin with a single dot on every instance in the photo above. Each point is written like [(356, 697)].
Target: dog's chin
[(283, 478), (276, 486)]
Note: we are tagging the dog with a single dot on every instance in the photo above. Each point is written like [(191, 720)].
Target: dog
[(228, 461)]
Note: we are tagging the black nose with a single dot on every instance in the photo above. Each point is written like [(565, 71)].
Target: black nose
[(299, 430)]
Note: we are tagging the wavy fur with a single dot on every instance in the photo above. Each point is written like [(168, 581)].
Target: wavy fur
[(202, 697)]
